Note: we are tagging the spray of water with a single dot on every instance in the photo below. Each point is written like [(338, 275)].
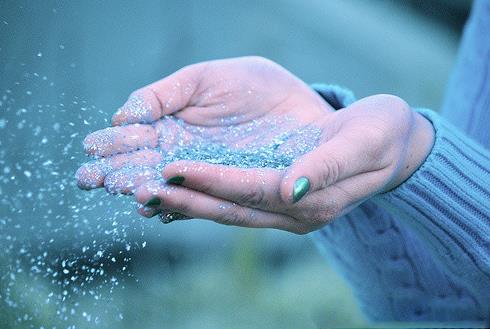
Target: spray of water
[(65, 251)]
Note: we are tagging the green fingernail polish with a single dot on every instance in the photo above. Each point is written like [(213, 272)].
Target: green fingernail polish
[(166, 218), (177, 180), (301, 186), (153, 202)]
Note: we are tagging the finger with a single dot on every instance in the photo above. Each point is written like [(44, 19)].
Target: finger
[(92, 174), (323, 206), (167, 217), (251, 187), (147, 212), (196, 204), (142, 106), (337, 159), (115, 140), (127, 179), (160, 98)]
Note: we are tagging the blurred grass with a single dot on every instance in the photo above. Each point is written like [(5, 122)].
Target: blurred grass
[(237, 287), (243, 289)]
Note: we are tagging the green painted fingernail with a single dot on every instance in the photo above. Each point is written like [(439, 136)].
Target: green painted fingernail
[(153, 202), (177, 180), (157, 213), (166, 218), (301, 186)]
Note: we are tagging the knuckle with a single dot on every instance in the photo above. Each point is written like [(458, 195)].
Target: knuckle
[(331, 170), (205, 185), (392, 101), (177, 204), (253, 194), (252, 197), (399, 111), (235, 216), (184, 208)]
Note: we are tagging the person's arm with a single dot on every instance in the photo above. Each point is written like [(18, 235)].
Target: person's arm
[(406, 252), (392, 272), (447, 201)]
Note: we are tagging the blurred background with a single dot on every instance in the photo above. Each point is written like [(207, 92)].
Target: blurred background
[(73, 259)]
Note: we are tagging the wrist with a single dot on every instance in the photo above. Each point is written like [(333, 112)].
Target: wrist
[(418, 148)]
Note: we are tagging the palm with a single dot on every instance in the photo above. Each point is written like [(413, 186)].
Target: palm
[(238, 103), (239, 90)]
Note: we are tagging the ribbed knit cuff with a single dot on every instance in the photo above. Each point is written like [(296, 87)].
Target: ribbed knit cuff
[(338, 97), (448, 200)]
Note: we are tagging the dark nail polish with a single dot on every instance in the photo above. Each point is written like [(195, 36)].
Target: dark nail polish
[(153, 202), (177, 180), (301, 187), (167, 218)]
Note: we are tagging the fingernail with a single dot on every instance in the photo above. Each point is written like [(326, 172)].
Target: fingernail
[(153, 202), (301, 186), (177, 180), (155, 214), (150, 210), (167, 218)]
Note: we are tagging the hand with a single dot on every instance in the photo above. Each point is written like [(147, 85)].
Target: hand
[(367, 148), (248, 94), (374, 145)]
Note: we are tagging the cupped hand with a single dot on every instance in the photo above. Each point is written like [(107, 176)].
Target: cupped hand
[(367, 148), (200, 102), (373, 146)]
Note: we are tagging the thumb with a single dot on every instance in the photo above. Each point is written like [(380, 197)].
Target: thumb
[(328, 164), (160, 98)]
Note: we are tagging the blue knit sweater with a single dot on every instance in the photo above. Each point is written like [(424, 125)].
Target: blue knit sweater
[(421, 252)]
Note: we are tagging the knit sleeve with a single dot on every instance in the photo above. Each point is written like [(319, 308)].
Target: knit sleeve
[(447, 201), (419, 252), (336, 96)]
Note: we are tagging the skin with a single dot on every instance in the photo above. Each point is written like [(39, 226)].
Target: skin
[(370, 147)]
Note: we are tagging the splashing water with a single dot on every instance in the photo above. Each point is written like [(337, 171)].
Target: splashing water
[(65, 252)]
